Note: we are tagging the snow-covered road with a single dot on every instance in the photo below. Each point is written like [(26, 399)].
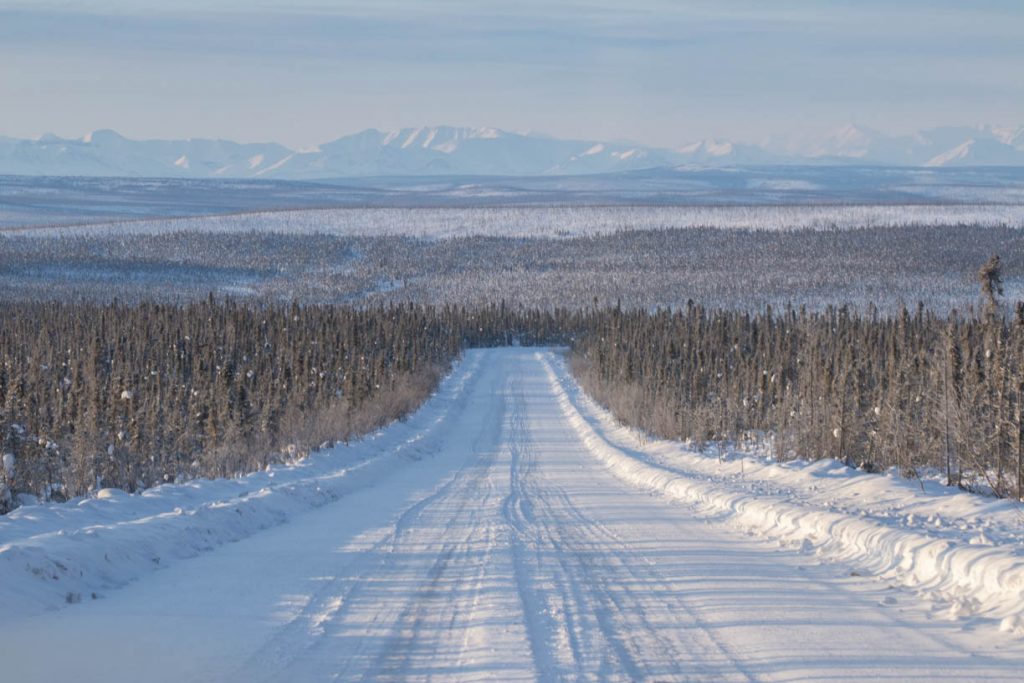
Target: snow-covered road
[(506, 549)]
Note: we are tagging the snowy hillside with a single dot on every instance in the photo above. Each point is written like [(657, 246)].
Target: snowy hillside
[(445, 150)]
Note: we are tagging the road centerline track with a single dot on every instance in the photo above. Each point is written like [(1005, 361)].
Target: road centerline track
[(510, 553)]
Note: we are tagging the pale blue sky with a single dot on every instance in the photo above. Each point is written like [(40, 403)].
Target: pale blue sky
[(651, 70)]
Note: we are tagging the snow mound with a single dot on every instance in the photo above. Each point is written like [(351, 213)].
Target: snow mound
[(90, 545), (883, 525)]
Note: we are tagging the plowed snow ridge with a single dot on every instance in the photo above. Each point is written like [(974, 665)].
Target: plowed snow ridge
[(511, 530)]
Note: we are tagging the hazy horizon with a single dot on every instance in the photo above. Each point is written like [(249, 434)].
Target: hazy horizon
[(540, 133), (657, 73)]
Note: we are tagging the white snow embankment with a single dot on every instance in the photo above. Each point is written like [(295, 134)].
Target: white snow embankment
[(61, 553), (813, 507)]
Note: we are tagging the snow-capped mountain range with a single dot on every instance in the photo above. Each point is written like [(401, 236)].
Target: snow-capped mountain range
[(446, 150), (946, 146)]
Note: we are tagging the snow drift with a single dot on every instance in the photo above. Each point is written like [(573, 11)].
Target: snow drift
[(62, 553), (952, 547)]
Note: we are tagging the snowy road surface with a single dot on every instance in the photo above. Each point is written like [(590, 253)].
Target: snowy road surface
[(507, 552)]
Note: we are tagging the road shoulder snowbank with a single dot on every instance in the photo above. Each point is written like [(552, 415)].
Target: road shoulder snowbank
[(936, 544), (55, 554)]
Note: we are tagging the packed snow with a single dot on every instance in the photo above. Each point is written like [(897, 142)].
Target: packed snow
[(511, 530), (954, 548)]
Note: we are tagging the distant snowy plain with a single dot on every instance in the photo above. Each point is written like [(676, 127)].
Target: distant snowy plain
[(553, 221), (62, 200)]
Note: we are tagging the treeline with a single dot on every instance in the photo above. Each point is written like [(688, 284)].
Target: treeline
[(132, 396), (129, 396), (908, 391)]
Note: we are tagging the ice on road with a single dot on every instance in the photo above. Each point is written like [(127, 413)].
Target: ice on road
[(508, 553)]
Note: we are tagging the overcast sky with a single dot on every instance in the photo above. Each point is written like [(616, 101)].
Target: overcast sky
[(653, 71)]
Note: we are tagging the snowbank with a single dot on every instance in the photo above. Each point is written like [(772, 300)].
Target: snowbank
[(963, 551), (62, 553), (953, 547)]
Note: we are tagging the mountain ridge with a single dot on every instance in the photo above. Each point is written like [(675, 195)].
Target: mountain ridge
[(488, 151)]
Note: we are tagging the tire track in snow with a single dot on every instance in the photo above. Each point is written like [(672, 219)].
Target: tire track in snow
[(427, 605), (438, 554), (518, 513), (507, 552), (608, 626), (294, 639)]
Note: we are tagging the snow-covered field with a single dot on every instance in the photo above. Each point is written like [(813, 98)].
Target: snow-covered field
[(61, 200), (555, 221), (510, 530)]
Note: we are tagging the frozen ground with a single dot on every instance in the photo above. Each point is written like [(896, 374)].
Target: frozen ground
[(511, 531)]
